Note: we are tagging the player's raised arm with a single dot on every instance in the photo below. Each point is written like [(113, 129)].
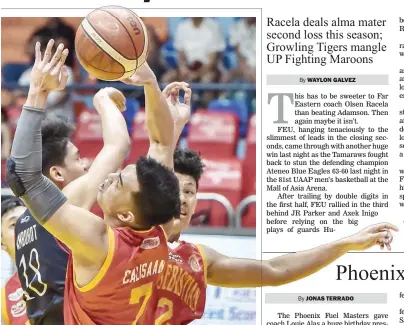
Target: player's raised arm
[(84, 233), (159, 121), (225, 271), (180, 112), (83, 191)]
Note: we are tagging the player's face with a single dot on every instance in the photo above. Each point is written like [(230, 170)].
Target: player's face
[(115, 194), (8, 221), (73, 168), (188, 198)]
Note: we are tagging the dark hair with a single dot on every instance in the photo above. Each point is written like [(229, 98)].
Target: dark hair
[(56, 133), (9, 202), (158, 199), (188, 162)]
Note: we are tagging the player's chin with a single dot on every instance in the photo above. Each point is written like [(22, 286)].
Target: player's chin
[(185, 220)]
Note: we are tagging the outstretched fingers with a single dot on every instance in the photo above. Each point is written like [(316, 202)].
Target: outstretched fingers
[(61, 60), (48, 52), (63, 78), (56, 57), (38, 55)]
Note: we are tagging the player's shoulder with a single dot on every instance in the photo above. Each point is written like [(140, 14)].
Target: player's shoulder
[(12, 289), (194, 255), (146, 239), (187, 244), (25, 217), (206, 253), (155, 230), (186, 248), (26, 220), (14, 280), (13, 304)]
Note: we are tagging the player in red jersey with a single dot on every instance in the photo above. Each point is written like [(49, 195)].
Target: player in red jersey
[(181, 290), (14, 309), (115, 261), (12, 302)]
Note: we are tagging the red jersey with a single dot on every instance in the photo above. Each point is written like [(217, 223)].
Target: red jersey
[(13, 304), (122, 292), (182, 287)]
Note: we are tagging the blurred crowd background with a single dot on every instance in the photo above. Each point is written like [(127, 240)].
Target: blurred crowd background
[(217, 56)]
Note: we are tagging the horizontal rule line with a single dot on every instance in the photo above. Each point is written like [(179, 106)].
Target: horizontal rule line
[(348, 252)]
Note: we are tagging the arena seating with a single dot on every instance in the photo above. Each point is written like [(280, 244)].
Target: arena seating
[(249, 163), (13, 71), (237, 107), (140, 137), (13, 114), (88, 135), (221, 176), (249, 174), (214, 134)]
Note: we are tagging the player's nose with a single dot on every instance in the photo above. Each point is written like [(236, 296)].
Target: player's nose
[(183, 198), (85, 163)]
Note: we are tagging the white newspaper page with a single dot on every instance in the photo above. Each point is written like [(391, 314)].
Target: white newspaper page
[(332, 157)]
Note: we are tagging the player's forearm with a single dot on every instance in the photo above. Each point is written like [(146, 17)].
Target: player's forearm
[(114, 129), (295, 266), (24, 168), (178, 127), (159, 121), (83, 191)]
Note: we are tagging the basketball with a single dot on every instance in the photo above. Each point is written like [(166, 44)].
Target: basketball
[(111, 43)]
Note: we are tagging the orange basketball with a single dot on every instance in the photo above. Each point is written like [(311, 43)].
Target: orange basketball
[(111, 43)]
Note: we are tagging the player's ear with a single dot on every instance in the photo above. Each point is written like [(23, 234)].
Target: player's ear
[(56, 174), (127, 217)]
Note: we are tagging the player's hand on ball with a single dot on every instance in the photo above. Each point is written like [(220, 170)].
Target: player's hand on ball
[(143, 76), (114, 94), (49, 73), (181, 112), (379, 234)]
